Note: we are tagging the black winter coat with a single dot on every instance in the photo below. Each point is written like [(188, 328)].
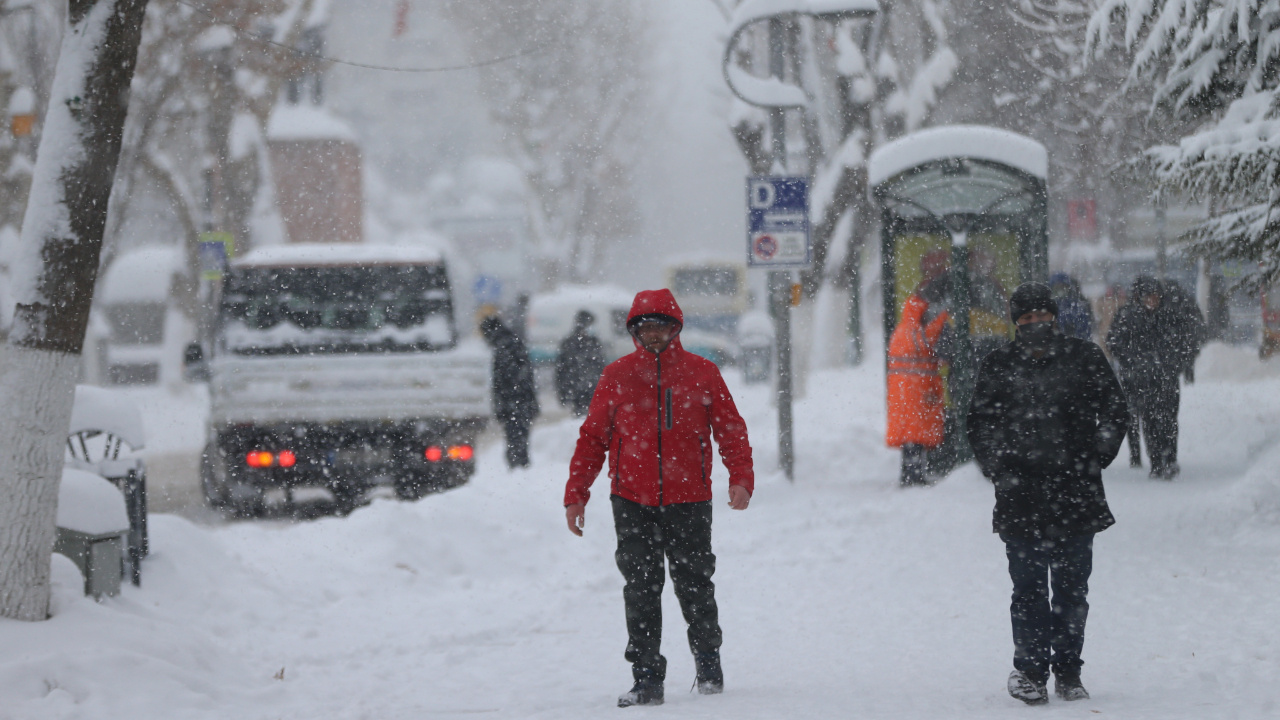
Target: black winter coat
[(514, 395), (1152, 345), (1042, 429), (578, 366)]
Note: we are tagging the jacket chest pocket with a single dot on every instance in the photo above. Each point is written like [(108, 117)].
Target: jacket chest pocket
[(667, 410)]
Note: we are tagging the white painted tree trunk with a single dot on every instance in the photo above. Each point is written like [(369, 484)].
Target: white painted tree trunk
[(53, 280), (38, 387)]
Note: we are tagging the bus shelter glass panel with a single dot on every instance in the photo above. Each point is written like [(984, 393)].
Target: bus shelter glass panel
[(994, 271)]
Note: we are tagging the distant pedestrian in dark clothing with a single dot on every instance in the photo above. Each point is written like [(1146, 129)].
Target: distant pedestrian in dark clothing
[(1075, 317), (578, 365), (1047, 416), (1155, 338), (515, 401)]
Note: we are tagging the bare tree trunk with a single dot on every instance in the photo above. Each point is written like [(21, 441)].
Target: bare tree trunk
[(55, 273)]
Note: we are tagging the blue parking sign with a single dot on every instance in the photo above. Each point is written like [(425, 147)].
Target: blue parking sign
[(778, 222)]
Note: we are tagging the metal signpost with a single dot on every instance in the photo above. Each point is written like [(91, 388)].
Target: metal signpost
[(778, 240)]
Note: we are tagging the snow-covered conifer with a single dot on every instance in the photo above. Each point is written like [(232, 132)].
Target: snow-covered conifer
[(1215, 63)]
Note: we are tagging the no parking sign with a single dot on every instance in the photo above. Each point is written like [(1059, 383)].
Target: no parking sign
[(778, 222)]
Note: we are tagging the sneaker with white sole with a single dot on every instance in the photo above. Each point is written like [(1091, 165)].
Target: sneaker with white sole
[(1027, 690)]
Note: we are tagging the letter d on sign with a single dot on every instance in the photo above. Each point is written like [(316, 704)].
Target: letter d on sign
[(762, 195)]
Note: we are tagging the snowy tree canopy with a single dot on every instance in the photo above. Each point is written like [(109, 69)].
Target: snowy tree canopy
[(1212, 62)]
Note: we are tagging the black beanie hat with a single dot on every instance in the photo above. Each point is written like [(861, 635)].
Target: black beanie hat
[(1029, 297)]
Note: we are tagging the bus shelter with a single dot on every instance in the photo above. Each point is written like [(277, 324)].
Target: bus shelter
[(968, 205)]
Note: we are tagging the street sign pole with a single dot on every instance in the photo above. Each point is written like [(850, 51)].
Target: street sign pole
[(778, 241), (780, 297)]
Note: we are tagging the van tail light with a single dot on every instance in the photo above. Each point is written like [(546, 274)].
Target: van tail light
[(259, 459), (264, 459), (460, 452), (434, 453)]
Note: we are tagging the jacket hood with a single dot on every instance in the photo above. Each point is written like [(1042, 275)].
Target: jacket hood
[(650, 302), (656, 302)]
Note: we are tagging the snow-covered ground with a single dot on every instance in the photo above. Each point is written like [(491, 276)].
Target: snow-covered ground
[(840, 595)]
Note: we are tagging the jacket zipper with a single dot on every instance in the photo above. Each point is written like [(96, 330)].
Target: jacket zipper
[(617, 466), (658, 358), (702, 460)]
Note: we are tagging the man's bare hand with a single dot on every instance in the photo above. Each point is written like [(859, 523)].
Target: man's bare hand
[(739, 498), (575, 514)]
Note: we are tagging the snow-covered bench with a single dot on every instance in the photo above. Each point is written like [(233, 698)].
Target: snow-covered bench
[(92, 527), (109, 419)]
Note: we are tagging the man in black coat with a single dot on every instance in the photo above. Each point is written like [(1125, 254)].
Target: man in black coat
[(1047, 416), (1156, 337), (579, 362), (515, 402)]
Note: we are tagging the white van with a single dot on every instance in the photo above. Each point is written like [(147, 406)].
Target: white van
[(146, 332), (551, 319)]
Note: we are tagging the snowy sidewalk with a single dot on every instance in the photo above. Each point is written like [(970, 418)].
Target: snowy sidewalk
[(841, 596)]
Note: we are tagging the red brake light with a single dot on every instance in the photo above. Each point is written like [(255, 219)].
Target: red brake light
[(259, 459), (460, 452), (434, 453), (286, 458)]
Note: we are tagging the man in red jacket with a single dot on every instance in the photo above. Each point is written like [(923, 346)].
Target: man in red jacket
[(654, 414)]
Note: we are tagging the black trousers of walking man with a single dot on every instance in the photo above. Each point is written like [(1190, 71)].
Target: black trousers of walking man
[(1049, 632), (681, 533), (517, 432), (1154, 406)]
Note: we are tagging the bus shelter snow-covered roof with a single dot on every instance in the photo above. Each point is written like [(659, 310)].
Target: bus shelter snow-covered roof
[(329, 254), (958, 141), (959, 170)]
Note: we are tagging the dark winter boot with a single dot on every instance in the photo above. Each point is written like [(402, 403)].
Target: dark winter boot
[(644, 692), (710, 680), (1029, 691), (1068, 687)]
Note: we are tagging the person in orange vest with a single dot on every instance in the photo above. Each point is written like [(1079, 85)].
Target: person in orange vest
[(915, 390)]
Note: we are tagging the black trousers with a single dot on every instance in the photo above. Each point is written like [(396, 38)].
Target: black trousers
[(1154, 403), (915, 465), (1049, 634), (517, 442), (681, 533)]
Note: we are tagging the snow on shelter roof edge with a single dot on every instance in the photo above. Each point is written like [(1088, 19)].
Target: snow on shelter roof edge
[(949, 141)]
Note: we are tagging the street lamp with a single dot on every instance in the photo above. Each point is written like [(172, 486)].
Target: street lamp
[(774, 92)]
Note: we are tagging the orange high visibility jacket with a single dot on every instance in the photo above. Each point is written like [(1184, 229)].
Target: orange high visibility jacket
[(915, 392)]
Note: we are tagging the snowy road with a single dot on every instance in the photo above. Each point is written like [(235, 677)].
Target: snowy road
[(840, 596)]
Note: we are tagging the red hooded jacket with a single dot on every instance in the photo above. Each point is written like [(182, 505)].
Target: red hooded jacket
[(654, 416)]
